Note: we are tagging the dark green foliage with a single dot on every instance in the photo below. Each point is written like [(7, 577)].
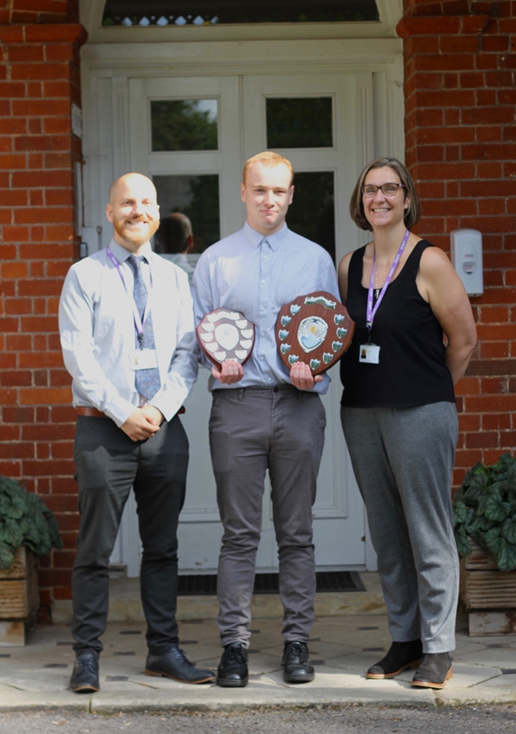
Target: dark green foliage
[(181, 125), (484, 509), (24, 520)]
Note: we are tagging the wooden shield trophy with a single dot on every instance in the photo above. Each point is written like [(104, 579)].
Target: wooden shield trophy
[(225, 334), (315, 329)]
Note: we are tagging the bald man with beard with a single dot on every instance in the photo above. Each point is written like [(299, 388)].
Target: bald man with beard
[(128, 341)]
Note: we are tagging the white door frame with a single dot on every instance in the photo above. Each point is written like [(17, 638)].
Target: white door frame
[(107, 68)]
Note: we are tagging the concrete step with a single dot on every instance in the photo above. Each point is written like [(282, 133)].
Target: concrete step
[(125, 604)]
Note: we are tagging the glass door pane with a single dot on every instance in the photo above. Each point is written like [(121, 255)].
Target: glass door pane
[(198, 198), (299, 122), (312, 212), (184, 124)]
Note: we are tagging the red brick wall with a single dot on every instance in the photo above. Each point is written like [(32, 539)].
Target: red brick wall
[(460, 63), (460, 96), (39, 11), (39, 77)]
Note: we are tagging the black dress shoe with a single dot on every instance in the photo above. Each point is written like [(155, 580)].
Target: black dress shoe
[(174, 664), (435, 670), (296, 663), (85, 674), (401, 655), (232, 671)]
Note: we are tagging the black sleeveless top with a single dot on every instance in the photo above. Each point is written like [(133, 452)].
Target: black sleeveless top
[(412, 370)]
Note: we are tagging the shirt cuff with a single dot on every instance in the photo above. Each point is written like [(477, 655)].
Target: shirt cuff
[(119, 410)]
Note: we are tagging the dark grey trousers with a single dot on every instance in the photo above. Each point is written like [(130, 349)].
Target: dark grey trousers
[(108, 464), (251, 430), (403, 460)]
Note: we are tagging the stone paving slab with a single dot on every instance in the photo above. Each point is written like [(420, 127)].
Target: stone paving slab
[(342, 648)]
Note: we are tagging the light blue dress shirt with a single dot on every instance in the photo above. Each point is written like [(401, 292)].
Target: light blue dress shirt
[(257, 275), (97, 330)]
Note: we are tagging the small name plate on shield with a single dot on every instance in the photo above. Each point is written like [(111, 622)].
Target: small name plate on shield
[(225, 334), (315, 329)]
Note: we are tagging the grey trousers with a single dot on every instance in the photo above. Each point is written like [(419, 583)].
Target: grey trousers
[(251, 430), (108, 464), (403, 460)]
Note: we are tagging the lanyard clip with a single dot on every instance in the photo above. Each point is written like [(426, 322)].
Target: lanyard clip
[(140, 339)]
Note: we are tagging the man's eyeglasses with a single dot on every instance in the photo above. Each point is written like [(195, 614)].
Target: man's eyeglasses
[(388, 189)]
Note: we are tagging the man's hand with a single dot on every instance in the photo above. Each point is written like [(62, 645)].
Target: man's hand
[(153, 414), (139, 425), (231, 371), (301, 376)]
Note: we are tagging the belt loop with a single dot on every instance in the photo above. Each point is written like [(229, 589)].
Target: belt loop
[(241, 393)]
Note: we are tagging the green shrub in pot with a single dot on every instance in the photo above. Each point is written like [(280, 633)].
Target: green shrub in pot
[(484, 509), (24, 520)]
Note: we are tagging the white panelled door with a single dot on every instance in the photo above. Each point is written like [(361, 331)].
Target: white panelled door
[(221, 121)]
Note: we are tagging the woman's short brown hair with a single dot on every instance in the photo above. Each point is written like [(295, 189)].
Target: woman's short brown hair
[(356, 205)]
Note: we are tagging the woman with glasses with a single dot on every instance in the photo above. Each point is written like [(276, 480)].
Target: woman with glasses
[(414, 337)]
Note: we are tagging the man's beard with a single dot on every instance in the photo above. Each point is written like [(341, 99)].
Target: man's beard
[(135, 238)]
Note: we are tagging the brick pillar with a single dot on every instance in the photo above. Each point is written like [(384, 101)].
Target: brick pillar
[(39, 79), (460, 96)]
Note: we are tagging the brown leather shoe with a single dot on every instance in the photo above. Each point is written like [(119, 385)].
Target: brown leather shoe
[(435, 670), (401, 655)]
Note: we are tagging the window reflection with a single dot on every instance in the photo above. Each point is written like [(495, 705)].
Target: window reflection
[(217, 12), (198, 198), (184, 124), (312, 212), (299, 122)]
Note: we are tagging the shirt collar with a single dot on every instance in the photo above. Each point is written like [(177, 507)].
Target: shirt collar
[(122, 254), (274, 240)]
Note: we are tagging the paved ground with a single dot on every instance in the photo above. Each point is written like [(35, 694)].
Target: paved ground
[(341, 720), (342, 648)]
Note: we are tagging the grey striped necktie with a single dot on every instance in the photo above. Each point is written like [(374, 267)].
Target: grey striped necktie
[(147, 381)]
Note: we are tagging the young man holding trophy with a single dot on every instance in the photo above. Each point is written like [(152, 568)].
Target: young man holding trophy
[(263, 416)]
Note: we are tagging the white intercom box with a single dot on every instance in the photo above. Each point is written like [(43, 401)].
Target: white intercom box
[(90, 240), (466, 256)]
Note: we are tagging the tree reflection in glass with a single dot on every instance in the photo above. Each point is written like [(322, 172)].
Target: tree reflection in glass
[(184, 124)]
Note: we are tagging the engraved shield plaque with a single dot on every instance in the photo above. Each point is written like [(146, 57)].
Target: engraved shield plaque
[(315, 329), (225, 334)]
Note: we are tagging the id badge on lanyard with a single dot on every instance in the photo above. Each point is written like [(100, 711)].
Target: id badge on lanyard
[(370, 353), (144, 359)]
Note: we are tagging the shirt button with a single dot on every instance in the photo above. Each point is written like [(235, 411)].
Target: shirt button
[(262, 333), (262, 356), (264, 281), (262, 308)]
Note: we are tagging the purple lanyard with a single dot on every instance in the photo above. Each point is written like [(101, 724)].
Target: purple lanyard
[(137, 320), (371, 312)]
